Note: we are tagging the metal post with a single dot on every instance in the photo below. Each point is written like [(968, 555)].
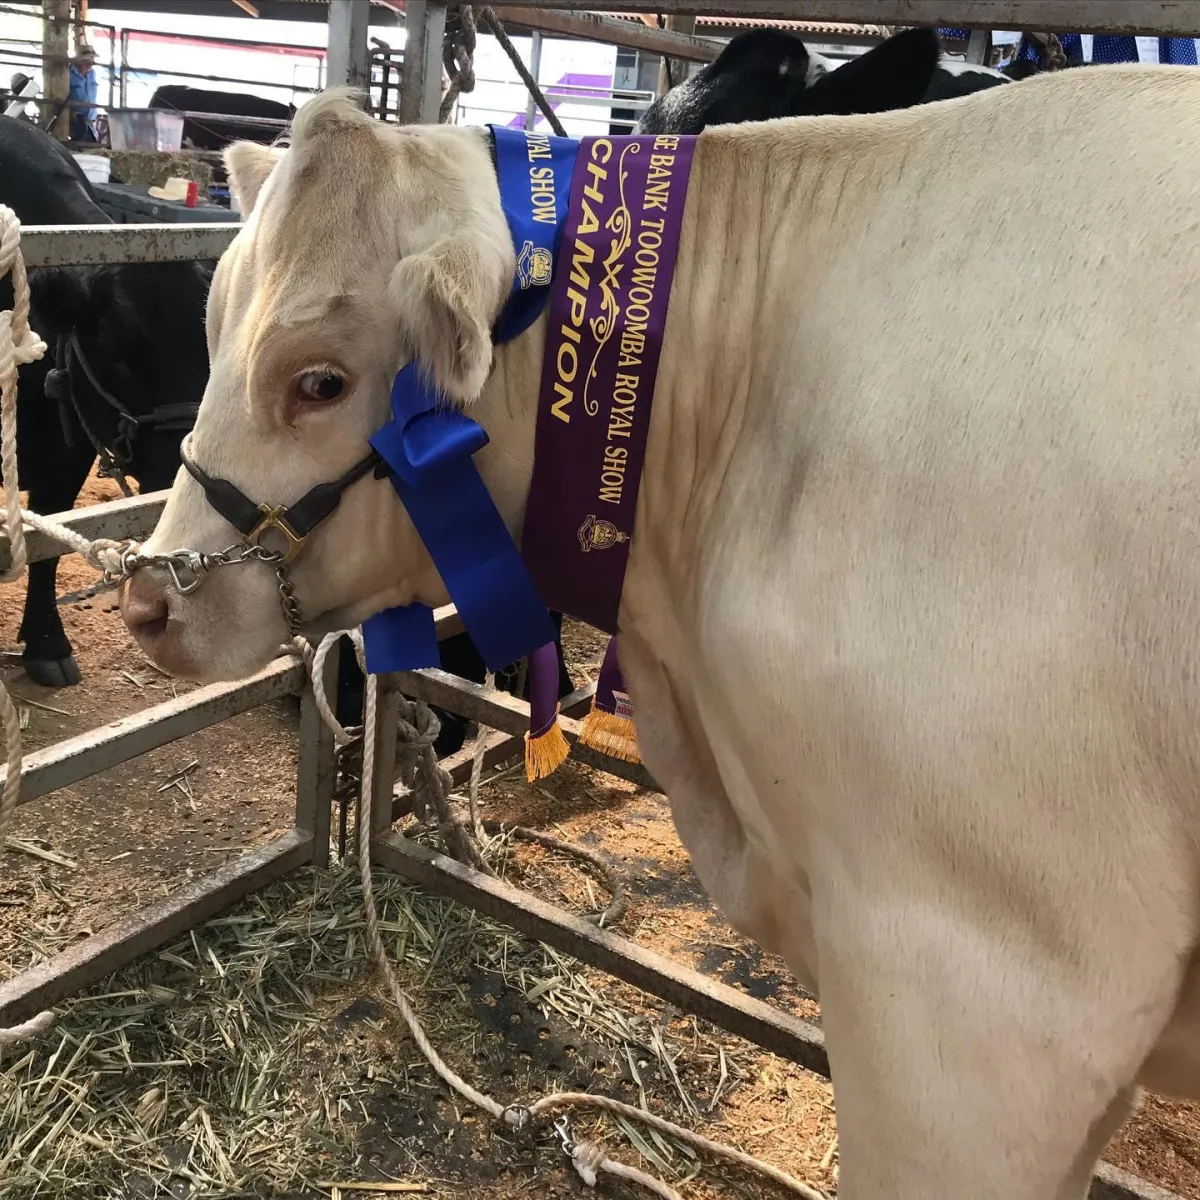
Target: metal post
[(387, 713), (81, 20), (384, 58), (316, 767), (348, 54), (979, 46), (421, 78), (56, 69), (124, 89), (671, 70), (535, 66)]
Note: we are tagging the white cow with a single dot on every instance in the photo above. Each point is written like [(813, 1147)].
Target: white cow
[(912, 618)]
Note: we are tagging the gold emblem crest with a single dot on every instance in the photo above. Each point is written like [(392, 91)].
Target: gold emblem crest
[(535, 265), (595, 534)]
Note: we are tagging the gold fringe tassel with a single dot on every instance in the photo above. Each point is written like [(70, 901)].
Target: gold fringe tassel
[(610, 734), (545, 753)]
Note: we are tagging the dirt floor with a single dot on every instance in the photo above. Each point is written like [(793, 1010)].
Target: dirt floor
[(258, 1056)]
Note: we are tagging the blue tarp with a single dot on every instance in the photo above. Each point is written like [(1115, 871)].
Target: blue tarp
[(1103, 48)]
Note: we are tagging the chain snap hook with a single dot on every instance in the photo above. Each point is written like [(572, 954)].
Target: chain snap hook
[(563, 1128)]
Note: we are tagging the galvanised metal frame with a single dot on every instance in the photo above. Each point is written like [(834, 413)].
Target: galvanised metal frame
[(77, 758)]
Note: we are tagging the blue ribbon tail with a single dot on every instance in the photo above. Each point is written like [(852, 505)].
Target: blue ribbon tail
[(401, 639)]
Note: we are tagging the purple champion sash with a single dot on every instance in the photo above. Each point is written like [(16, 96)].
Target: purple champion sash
[(608, 311)]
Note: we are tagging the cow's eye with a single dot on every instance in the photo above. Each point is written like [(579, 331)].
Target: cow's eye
[(320, 385)]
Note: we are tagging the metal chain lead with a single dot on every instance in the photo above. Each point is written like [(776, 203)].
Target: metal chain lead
[(188, 568), (287, 598)]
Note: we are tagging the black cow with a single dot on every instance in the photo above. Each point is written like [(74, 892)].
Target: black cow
[(128, 335), (207, 134), (768, 73)]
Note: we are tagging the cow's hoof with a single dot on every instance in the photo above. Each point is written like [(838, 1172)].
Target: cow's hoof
[(53, 672)]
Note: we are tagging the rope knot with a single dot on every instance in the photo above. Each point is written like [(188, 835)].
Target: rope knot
[(586, 1159), (24, 346), (107, 555), (458, 59)]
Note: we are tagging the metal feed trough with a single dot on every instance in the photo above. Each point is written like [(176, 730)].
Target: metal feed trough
[(77, 758)]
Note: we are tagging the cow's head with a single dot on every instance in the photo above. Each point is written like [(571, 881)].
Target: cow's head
[(365, 246), (768, 73), (138, 343)]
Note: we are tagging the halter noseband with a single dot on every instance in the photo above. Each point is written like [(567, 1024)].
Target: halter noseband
[(295, 521)]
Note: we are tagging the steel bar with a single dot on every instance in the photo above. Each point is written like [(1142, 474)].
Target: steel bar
[(316, 765), (282, 87), (131, 936), (499, 710), (133, 517), (76, 758), (74, 245), (277, 123), (1164, 17), (592, 27), (769, 1027), (535, 69), (387, 712), (1111, 1183), (498, 748)]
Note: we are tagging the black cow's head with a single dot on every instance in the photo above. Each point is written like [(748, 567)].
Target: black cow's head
[(767, 73), (139, 333)]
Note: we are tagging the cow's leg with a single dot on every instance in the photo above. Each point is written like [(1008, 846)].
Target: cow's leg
[(348, 700), (962, 1064), (1079, 1183), (47, 657), (459, 657)]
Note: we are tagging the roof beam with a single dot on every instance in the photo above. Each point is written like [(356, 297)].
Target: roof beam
[(634, 35), (1164, 17)]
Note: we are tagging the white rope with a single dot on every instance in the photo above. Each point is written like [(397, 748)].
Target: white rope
[(588, 1158), (18, 345)]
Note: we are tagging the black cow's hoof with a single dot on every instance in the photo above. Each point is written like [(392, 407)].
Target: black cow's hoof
[(53, 672)]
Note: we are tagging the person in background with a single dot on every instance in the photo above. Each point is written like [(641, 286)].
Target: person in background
[(82, 97)]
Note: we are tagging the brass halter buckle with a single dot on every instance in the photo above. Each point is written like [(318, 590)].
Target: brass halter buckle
[(274, 517)]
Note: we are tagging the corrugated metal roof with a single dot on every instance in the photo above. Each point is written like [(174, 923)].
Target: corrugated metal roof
[(833, 29)]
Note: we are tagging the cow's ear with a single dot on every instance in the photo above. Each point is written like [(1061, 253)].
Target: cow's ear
[(446, 300), (248, 166), (896, 74)]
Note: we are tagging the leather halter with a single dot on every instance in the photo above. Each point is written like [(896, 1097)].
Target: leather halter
[(295, 521), (117, 459)]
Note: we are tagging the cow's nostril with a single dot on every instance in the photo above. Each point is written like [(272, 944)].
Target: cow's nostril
[(144, 610)]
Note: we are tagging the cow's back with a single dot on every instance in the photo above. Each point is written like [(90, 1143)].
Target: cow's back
[(40, 181)]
